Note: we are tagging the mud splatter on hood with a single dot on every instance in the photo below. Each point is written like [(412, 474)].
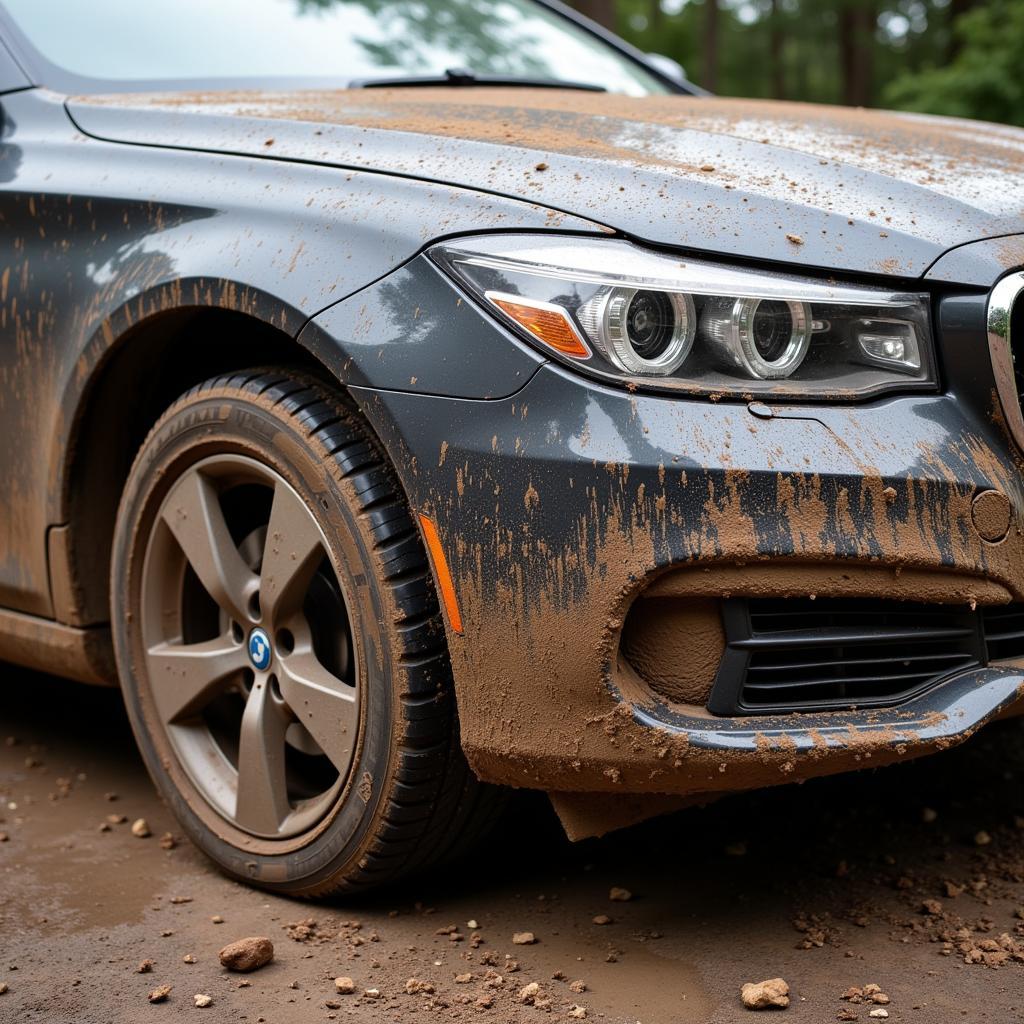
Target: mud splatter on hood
[(841, 189)]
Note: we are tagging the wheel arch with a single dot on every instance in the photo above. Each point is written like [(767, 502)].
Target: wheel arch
[(130, 372)]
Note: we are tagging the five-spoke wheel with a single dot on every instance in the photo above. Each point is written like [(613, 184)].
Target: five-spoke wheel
[(254, 683)]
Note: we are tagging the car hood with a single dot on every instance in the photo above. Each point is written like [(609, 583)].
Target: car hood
[(825, 187)]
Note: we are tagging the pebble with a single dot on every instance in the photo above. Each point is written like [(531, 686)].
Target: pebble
[(371, 993), (602, 919), (160, 994), (247, 954), (202, 1000), (528, 993), (140, 829), (472, 925), (346, 986), (414, 987), (617, 895), (879, 1014), (217, 919), (577, 986), (167, 841), (933, 907), (763, 995), (577, 1012), (145, 967), (463, 979), (982, 838), (3, 987), (523, 939), (188, 958), (929, 815)]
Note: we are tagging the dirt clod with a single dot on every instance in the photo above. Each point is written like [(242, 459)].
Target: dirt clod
[(247, 954), (577, 986), (160, 994), (415, 987), (765, 995), (528, 993)]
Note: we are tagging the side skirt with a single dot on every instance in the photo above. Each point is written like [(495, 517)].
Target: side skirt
[(86, 655)]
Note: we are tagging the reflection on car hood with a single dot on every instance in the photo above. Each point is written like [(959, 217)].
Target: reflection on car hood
[(828, 187)]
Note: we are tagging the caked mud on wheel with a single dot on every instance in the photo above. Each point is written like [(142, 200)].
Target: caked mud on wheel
[(279, 642)]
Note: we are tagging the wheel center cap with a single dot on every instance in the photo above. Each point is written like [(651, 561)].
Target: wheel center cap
[(259, 649)]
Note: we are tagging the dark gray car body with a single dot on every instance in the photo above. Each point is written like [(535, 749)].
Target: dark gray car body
[(153, 240)]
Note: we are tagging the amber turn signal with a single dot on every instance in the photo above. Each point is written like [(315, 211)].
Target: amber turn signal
[(547, 322), (442, 572)]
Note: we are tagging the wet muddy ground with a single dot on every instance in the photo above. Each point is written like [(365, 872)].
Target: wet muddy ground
[(910, 878)]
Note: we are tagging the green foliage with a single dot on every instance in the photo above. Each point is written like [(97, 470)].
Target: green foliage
[(958, 57), (983, 80)]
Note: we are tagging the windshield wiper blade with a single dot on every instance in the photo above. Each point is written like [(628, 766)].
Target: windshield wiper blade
[(464, 77)]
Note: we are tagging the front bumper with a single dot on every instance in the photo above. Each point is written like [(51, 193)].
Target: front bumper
[(558, 507), (566, 505)]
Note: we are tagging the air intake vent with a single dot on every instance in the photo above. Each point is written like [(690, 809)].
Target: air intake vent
[(803, 655)]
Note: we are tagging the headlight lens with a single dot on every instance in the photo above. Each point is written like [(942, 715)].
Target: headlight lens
[(619, 311)]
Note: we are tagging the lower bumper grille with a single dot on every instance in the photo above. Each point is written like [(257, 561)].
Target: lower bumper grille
[(807, 655)]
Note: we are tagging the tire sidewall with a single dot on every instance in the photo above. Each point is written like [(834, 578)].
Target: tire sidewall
[(219, 421)]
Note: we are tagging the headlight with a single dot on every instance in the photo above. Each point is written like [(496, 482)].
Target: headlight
[(618, 311)]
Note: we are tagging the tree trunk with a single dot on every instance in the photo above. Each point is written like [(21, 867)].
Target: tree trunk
[(657, 17), (956, 8), (601, 11), (776, 41), (857, 52), (710, 45)]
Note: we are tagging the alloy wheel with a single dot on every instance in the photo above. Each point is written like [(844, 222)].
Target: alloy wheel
[(249, 647)]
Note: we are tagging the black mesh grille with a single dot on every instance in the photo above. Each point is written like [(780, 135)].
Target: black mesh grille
[(803, 655), (1004, 631)]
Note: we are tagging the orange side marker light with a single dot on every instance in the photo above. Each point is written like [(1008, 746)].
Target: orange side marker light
[(545, 321), (441, 570)]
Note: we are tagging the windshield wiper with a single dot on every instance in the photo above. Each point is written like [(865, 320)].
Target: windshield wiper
[(464, 77)]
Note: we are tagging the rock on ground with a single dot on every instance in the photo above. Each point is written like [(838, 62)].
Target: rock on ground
[(160, 994), (765, 995), (247, 954)]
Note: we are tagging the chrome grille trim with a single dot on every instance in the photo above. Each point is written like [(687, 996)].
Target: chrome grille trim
[(1001, 301)]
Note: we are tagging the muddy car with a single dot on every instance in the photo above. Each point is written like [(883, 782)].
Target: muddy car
[(403, 402)]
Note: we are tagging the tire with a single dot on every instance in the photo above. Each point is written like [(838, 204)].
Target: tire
[(275, 623)]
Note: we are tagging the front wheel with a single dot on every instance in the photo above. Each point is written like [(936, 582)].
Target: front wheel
[(279, 642)]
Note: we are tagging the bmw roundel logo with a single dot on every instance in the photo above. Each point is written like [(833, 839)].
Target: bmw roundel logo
[(259, 649)]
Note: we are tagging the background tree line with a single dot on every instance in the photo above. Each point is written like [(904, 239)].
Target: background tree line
[(959, 57)]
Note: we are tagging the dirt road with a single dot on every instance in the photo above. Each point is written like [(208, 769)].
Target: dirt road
[(911, 878)]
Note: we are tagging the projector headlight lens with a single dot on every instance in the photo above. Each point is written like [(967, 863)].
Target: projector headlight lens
[(640, 331), (765, 339)]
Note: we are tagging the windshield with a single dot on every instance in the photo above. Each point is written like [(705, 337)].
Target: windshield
[(174, 43)]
